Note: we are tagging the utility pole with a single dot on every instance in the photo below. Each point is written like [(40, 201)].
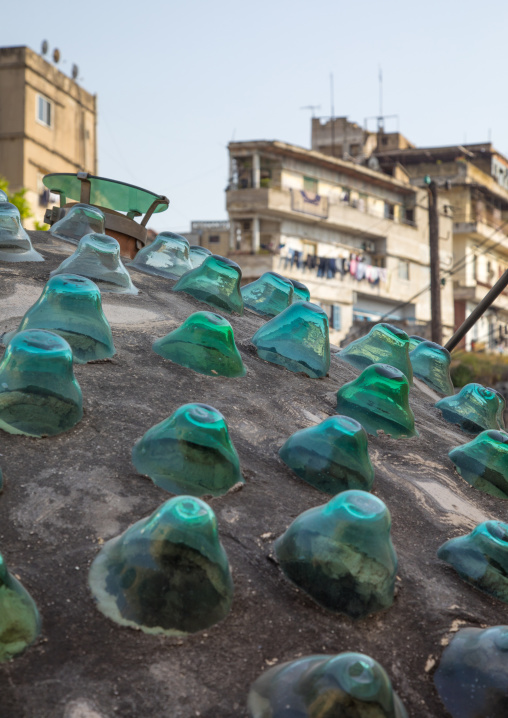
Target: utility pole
[(435, 282)]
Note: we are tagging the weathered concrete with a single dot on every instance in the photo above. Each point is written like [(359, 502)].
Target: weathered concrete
[(64, 496)]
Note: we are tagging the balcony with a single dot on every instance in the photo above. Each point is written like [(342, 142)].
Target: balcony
[(350, 216)]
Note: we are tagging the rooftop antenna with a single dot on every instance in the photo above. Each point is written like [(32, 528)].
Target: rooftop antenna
[(380, 122), (311, 108), (332, 113)]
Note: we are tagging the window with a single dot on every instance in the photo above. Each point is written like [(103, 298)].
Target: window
[(214, 238), (403, 270), (310, 185), (44, 111), (335, 317), (389, 210)]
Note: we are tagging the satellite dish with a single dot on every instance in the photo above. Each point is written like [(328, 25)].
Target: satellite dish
[(56, 55), (44, 47), (75, 71), (373, 163)]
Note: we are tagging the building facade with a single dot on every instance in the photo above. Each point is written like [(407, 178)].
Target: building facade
[(48, 123), (473, 181), (356, 237), (213, 235)]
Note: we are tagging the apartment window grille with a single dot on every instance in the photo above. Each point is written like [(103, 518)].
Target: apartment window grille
[(214, 238), (44, 111)]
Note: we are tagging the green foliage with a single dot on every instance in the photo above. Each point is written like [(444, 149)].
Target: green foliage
[(17, 198), (41, 226), (486, 369)]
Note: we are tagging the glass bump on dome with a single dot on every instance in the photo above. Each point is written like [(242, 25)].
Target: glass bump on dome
[(379, 400), (3, 196), (216, 282), (475, 408), (296, 339), (39, 395), (81, 219), (472, 676), (166, 256), (20, 623), (414, 340), (167, 573), (15, 244), (300, 292), (481, 557), (269, 295), (384, 344), (431, 364), (190, 452), (332, 456), (341, 554), (483, 462), (197, 255), (205, 343), (350, 684), (97, 257), (71, 306)]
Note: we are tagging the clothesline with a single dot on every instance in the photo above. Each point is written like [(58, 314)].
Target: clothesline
[(329, 267)]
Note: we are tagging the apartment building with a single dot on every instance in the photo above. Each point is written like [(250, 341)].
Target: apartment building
[(358, 238), (473, 182), (47, 124)]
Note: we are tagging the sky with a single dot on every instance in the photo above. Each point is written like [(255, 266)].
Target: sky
[(177, 81)]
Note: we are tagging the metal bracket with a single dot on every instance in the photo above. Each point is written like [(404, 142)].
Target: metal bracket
[(86, 187)]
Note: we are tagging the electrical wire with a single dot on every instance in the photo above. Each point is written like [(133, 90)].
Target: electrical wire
[(453, 270)]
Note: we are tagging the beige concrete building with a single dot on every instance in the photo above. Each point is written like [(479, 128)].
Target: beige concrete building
[(340, 138), (48, 123), (213, 235), (473, 181), (356, 237)]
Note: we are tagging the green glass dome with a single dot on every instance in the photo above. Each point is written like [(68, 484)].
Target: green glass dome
[(349, 685), (384, 344), (216, 282), (379, 400), (20, 623), (189, 453), (97, 257), (79, 220), (472, 676), (71, 306), (15, 244), (431, 364), (205, 342), (197, 255), (414, 340), (166, 256), (332, 456), (296, 339), (481, 558), (39, 395), (483, 462), (167, 573), (269, 295), (341, 554), (475, 408), (301, 292)]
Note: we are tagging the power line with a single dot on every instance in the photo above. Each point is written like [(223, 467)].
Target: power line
[(453, 270)]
